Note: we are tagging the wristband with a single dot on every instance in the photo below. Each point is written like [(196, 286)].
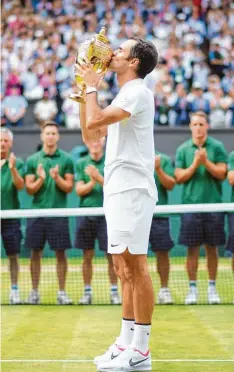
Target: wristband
[(91, 90)]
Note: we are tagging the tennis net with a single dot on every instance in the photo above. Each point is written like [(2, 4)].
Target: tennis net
[(42, 222)]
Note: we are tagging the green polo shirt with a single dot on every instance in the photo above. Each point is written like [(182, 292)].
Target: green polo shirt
[(95, 197), (49, 195), (9, 193), (167, 167), (231, 167), (202, 187)]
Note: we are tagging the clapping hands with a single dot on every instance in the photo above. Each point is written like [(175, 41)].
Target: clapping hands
[(92, 172), (54, 172), (12, 160), (41, 171)]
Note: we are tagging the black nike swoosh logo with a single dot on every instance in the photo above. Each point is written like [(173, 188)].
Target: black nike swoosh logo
[(132, 364), (113, 356), (114, 245)]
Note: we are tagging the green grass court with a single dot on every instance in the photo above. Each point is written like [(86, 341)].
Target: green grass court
[(58, 338), (68, 335)]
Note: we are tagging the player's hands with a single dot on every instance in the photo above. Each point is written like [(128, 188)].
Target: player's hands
[(92, 172), (89, 75), (12, 160), (54, 172), (41, 172), (157, 162)]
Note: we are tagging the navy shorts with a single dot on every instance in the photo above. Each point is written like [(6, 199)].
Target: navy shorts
[(230, 241), (202, 228), (11, 236), (160, 236), (54, 230), (88, 230)]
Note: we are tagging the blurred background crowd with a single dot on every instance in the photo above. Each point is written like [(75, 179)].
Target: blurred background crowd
[(40, 39)]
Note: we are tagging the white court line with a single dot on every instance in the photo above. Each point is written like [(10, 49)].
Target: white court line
[(91, 361)]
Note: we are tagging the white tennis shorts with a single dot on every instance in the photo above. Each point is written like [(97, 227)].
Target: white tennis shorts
[(129, 218)]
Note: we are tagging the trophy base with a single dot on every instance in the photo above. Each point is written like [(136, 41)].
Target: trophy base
[(78, 98)]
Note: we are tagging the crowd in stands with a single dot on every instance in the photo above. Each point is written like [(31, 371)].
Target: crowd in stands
[(40, 39)]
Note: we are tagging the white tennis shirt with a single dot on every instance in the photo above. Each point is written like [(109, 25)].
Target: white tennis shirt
[(130, 149)]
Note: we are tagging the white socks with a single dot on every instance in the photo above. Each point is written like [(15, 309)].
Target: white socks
[(126, 333), (141, 337)]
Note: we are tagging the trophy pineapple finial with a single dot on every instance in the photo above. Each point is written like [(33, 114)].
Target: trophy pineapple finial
[(103, 31)]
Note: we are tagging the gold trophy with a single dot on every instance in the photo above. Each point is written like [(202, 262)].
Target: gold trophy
[(99, 53)]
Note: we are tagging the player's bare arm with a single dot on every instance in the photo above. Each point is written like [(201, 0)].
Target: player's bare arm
[(96, 117), (89, 135)]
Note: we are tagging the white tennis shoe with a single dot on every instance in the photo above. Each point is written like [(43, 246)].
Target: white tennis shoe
[(14, 297), (164, 297), (129, 360), (112, 353), (213, 296), (33, 298), (115, 298), (63, 299), (192, 297), (86, 299)]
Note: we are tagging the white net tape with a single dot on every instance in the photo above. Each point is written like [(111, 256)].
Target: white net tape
[(72, 212)]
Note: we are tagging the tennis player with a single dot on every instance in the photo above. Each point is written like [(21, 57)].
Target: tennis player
[(130, 193)]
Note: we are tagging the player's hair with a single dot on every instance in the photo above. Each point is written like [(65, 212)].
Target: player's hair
[(7, 131), (201, 114), (146, 53), (50, 123)]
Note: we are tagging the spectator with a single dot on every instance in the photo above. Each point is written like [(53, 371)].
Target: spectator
[(181, 106), (230, 241), (229, 102), (213, 85), (12, 180), (46, 109), (216, 59), (71, 111), (160, 238), (201, 168), (219, 106), (228, 80), (89, 187), (196, 101), (197, 25), (3, 119), (14, 108), (177, 71), (49, 178), (200, 73), (162, 109), (32, 89), (47, 41), (13, 81)]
